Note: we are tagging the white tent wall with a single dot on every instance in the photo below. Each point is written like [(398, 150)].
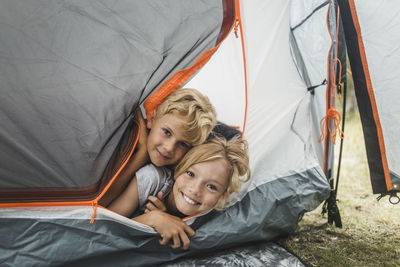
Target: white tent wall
[(279, 122), (309, 55), (286, 174)]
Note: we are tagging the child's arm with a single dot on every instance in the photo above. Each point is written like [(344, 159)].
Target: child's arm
[(127, 202), (138, 160), (169, 227)]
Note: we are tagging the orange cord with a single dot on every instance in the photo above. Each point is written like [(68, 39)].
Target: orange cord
[(338, 84), (238, 24), (94, 206), (332, 113), (336, 117)]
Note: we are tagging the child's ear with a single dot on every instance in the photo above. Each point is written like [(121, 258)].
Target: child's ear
[(150, 122)]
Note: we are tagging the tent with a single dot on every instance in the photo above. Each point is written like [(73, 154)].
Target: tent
[(73, 72)]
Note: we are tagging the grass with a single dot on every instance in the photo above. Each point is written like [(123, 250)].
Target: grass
[(371, 230)]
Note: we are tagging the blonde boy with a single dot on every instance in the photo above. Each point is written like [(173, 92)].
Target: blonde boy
[(184, 119)]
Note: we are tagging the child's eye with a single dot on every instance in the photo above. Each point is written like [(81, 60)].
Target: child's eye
[(212, 187), (166, 132), (184, 145), (190, 173)]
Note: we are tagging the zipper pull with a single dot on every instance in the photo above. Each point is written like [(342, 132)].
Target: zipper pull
[(94, 206), (235, 28)]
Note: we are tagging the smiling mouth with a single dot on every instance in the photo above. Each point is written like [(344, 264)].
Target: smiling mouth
[(162, 155), (189, 200)]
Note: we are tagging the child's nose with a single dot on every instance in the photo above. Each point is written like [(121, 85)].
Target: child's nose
[(195, 187), (169, 146)]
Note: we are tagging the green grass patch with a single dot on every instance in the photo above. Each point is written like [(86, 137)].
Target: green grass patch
[(371, 230)]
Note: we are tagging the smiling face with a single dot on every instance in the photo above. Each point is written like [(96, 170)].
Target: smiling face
[(165, 143), (199, 188)]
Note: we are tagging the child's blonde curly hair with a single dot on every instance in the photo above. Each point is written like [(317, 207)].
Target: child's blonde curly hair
[(196, 108), (234, 152)]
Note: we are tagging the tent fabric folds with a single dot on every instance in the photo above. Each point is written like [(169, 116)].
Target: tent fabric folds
[(73, 72), (258, 254), (62, 235)]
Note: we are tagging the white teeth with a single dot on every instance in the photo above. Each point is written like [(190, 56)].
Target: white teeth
[(187, 199)]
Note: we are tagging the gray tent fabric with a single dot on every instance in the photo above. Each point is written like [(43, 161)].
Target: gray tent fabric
[(62, 236), (71, 74)]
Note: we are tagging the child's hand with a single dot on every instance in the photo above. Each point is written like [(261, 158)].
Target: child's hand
[(172, 230), (155, 203)]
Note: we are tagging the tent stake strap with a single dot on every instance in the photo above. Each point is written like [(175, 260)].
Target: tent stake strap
[(393, 198), (332, 209)]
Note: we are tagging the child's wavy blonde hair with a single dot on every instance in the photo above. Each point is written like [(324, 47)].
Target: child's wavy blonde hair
[(234, 152), (196, 108)]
